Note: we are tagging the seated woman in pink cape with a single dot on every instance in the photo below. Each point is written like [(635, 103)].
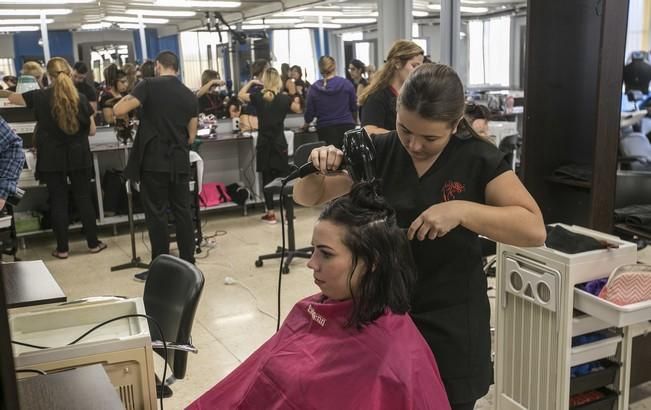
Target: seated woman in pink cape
[(352, 346)]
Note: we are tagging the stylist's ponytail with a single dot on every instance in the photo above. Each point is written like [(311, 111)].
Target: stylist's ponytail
[(272, 84), (65, 98), (327, 66)]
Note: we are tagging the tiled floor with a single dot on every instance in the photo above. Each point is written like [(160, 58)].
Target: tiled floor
[(232, 320)]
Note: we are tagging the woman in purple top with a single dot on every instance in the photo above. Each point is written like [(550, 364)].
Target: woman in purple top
[(333, 101)]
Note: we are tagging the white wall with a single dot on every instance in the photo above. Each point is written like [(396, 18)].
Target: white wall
[(6, 46), (116, 36)]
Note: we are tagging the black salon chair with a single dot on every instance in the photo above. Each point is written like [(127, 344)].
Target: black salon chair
[(301, 156), (171, 296)]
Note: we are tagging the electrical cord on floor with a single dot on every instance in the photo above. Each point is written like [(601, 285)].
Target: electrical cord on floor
[(229, 280), (154, 321), (37, 371), (284, 249)]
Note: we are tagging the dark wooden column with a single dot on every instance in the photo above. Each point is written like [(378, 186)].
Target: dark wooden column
[(575, 58)]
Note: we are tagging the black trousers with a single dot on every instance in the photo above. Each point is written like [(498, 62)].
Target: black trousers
[(57, 188), (334, 134), (268, 176), (160, 194), (463, 406)]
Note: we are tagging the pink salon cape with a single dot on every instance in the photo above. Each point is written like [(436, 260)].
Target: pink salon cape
[(315, 362)]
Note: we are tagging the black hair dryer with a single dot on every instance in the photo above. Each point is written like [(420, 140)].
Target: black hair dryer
[(359, 155)]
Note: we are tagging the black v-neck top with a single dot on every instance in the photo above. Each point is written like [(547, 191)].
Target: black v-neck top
[(450, 305)]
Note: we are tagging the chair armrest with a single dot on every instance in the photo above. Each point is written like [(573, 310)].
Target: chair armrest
[(93, 299), (158, 344)]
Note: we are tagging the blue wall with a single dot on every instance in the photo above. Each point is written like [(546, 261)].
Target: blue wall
[(170, 43), (151, 37), (61, 45), (26, 46), (317, 43)]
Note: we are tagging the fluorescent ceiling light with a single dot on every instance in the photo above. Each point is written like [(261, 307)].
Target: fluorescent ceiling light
[(473, 9), (419, 13), (310, 13), (96, 26), (254, 26), (274, 21), (463, 9), (9, 29), (316, 25), (46, 2), (129, 26), (354, 21), (473, 1), (120, 19), (19, 22), (34, 12), (161, 13), (207, 4)]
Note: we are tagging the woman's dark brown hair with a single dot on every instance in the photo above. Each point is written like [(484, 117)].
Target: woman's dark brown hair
[(374, 237), (435, 92)]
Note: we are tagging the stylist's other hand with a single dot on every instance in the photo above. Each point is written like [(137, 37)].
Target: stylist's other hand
[(436, 221), (327, 159)]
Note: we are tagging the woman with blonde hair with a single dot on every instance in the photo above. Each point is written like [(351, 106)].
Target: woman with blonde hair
[(378, 100), (31, 77), (333, 102), (272, 107), (64, 122)]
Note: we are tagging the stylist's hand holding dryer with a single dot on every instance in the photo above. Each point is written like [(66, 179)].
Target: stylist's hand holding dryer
[(447, 186)]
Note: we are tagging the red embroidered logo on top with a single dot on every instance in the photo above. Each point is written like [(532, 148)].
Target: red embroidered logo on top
[(451, 189)]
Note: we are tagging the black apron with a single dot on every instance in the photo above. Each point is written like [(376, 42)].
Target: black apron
[(450, 306)]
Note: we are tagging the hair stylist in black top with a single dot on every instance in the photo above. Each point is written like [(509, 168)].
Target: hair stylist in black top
[(160, 158), (447, 186), (378, 100), (65, 120), (117, 85), (271, 148)]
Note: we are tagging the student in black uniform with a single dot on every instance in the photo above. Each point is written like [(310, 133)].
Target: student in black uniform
[(117, 85), (447, 185), (378, 100), (211, 101), (272, 107), (249, 115), (79, 76), (160, 157), (356, 70), (65, 121)]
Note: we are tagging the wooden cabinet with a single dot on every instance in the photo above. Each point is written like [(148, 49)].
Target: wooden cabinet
[(574, 63)]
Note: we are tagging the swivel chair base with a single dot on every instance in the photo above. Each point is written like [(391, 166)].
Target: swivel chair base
[(305, 253)]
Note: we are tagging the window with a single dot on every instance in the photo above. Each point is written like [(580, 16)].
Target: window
[(295, 47), (199, 52), (352, 36), (636, 30), (422, 42), (489, 51), (7, 67)]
